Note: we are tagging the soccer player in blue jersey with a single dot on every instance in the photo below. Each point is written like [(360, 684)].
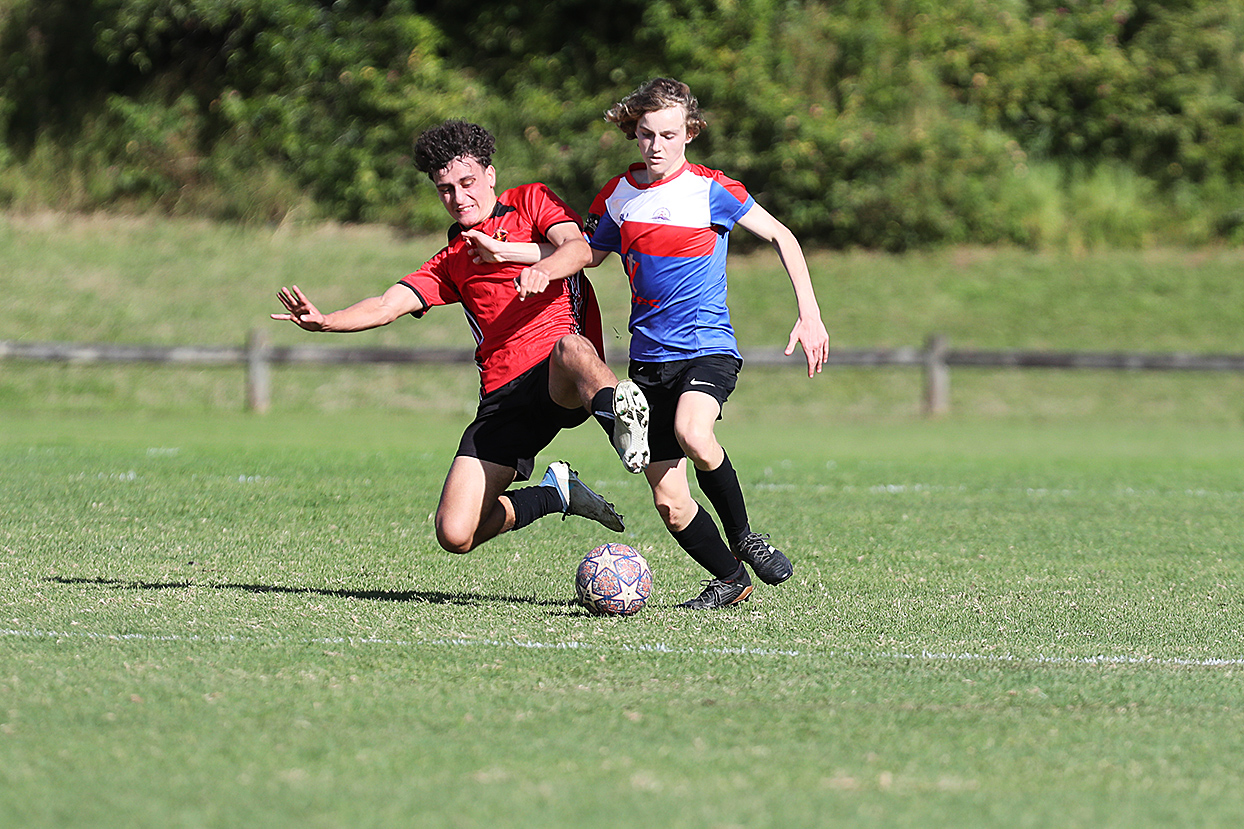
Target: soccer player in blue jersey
[(669, 221)]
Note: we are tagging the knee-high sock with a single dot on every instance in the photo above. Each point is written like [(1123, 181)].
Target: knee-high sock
[(704, 544), (721, 486)]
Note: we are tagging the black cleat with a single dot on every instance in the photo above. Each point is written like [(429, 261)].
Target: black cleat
[(771, 566), (722, 593)]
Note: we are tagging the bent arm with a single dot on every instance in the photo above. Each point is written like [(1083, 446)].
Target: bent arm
[(522, 253), (598, 256), (809, 330), (570, 255), (494, 251)]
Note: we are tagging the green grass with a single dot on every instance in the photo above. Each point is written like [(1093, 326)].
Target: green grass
[(1025, 614), (176, 281), (222, 621)]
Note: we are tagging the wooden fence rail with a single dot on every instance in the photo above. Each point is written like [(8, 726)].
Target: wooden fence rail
[(258, 355)]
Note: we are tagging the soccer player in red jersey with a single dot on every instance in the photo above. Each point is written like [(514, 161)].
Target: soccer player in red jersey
[(669, 220), (538, 343)]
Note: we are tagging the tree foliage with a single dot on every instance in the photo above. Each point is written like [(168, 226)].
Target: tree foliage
[(891, 125)]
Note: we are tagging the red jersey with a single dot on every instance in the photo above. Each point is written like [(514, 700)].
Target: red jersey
[(510, 336)]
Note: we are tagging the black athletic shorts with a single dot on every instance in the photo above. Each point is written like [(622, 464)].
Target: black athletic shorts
[(513, 423), (663, 383)]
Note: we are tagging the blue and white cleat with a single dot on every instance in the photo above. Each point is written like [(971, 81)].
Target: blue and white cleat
[(578, 499), (630, 426)]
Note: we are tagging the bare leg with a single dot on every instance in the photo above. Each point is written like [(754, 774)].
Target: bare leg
[(578, 377), (689, 525), (576, 372), (693, 425), (671, 493), (694, 422), (472, 508)]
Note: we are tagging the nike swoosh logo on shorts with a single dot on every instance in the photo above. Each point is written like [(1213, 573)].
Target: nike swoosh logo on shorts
[(700, 383)]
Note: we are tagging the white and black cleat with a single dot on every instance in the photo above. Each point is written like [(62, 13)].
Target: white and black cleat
[(630, 426)]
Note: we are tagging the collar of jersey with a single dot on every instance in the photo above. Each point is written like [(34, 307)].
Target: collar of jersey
[(634, 168)]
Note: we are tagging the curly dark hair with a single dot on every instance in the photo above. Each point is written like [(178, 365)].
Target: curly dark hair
[(657, 94), (438, 146)]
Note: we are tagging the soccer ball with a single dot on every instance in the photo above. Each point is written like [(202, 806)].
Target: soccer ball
[(613, 580)]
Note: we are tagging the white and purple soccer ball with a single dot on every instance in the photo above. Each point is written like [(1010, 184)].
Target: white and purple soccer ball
[(613, 580)]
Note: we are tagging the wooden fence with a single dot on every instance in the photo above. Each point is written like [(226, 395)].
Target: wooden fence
[(935, 359)]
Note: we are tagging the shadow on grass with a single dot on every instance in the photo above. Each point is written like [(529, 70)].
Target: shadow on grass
[(427, 596)]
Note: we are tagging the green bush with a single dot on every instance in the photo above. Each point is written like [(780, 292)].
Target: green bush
[(1158, 86), (895, 125), (209, 94)]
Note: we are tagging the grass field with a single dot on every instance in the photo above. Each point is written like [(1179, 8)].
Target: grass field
[(1026, 614), (223, 621)]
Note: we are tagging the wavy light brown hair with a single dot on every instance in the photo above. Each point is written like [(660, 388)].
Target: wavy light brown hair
[(656, 94)]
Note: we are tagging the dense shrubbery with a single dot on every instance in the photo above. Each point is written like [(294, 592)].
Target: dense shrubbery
[(890, 125), (236, 107)]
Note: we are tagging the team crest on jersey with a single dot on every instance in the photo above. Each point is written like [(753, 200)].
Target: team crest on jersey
[(661, 215), (501, 235)]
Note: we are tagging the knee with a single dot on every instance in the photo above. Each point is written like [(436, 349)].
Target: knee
[(572, 349), (675, 513), (454, 536), (700, 445)]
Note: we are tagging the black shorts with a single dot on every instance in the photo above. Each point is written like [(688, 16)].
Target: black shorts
[(663, 383), (513, 423)]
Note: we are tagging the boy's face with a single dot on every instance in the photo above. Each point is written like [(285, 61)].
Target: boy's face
[(662, 138), (467, 190)]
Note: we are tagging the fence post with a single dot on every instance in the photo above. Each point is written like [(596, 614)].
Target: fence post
[(258, 371), (936, 377)]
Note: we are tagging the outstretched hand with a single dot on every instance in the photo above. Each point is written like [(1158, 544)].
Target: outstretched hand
[(301, 311), (811, 334)]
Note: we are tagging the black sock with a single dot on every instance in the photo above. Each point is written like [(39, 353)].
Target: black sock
[(602, 409), (532, 502), (703, 543), (721, 486)]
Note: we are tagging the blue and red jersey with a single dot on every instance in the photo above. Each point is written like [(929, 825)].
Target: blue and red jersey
[(511, 336), (672, 236)]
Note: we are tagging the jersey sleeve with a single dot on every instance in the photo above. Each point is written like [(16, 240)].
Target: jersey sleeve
[(603, 232), (545, 208), (432, 282), (728, 200)]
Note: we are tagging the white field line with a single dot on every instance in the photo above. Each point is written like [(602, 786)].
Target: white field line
[(1034, 492), (881, 656)]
